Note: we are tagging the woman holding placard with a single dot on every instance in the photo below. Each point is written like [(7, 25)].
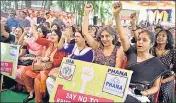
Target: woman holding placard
[(146, 69)]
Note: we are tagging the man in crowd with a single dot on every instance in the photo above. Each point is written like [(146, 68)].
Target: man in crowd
[(58, 20), (41, 19), (12, 21), (48, 18), (23, 22)]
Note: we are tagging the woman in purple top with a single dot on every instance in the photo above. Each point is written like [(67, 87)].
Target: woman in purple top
[(79, 50)]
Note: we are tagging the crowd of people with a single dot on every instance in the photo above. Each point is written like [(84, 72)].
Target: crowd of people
[(136, 47)]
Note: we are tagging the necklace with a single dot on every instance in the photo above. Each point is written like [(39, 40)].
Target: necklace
[(81, 49), (160, 52)]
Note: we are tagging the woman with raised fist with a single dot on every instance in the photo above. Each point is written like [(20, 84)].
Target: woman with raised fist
[(147, 70)]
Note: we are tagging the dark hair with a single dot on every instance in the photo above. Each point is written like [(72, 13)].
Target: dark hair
[(47, 24), (58, 27), (21, 28), (158, 27), (59, 33), (47, 13), (150, 34), (170, 41), (24, 12), (171, 28), (27, 13), (45, 31), (73, 29), (80, 31), (7, 29), (89, 27), (96, 29)]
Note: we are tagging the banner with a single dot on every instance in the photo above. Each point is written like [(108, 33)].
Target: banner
[(125, 14), (163, 14), (9, 59), (80, 81)]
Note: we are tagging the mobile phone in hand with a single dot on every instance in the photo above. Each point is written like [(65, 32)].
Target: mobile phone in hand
[(137, 92)]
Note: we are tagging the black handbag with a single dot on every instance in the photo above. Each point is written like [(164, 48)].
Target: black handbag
[(25, 62)]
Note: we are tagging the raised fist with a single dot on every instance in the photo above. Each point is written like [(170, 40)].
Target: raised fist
[(133, 18), (117, 7), (88, 8), (26, 30)]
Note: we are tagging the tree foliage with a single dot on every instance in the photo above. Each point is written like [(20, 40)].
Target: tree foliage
[(101, 8)]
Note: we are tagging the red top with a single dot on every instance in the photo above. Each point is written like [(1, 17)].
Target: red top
[(58, 56)]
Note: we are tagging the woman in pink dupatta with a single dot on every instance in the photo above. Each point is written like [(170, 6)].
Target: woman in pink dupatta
[(36, 81), (34, 49)]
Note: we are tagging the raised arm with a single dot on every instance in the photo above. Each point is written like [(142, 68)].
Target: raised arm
[(120, 56), (117, 7), (34, 31), (90, 40), (21, 39), (3, 31), (65, 36), (69, 34), (62, 40), (133, 25)]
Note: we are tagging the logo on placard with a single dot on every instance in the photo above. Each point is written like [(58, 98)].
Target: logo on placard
[(70, 61), (115, 85), (13, 52), (67, 71), (3, 51)]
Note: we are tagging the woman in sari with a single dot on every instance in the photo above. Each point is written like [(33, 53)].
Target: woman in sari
[(146, 69), (164, 49), (34, 50), (36, 81)]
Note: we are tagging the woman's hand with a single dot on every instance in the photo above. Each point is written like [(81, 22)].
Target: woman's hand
[(54, 72), (88, 8), (45, 59), (132, 18), (65, 34), (144, 93), (26, 30), (117, 7)]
